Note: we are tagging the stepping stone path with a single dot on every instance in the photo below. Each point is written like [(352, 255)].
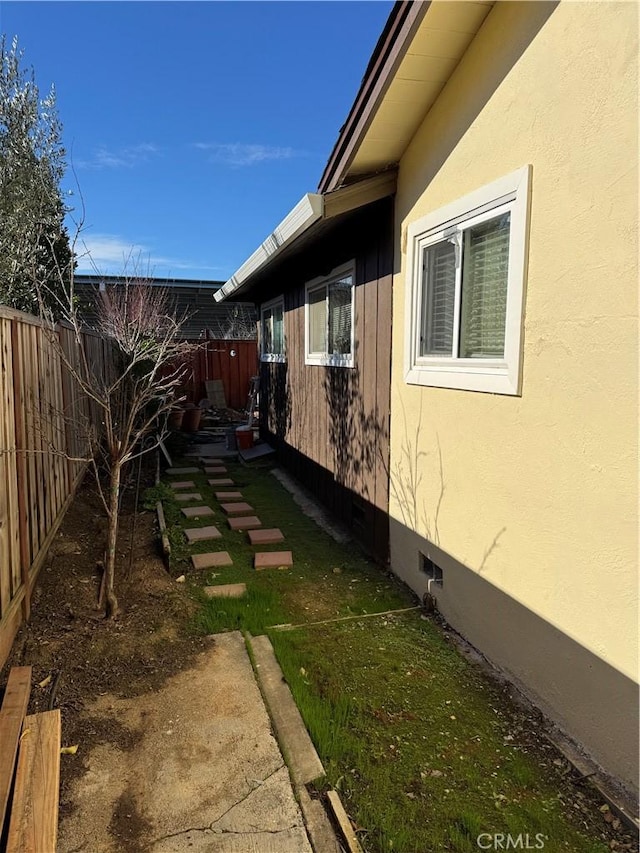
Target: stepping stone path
[(239, 508), (197, 511), (232, 504), (248, 522), (267, 536), (208, 561), (197, 534), (273, 560), (226, 590)]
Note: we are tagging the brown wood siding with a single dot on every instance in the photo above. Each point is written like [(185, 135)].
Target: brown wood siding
[(330, 425)]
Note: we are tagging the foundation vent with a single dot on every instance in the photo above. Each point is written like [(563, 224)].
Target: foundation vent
[(432, 571)]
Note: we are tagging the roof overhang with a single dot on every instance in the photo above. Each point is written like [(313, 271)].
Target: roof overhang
[(303, 224), (420, 47)]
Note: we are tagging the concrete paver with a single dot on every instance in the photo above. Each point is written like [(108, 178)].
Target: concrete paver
[(273, 560), (183, 470), (266, 536), (189, 496), (221, 481), (226, 590), (183, 484), (238, 508), (212, 559), (197, 511), (248, 522), (198, 534), (205, 771), (228, 496)]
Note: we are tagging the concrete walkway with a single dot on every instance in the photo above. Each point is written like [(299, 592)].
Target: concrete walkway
[(204, 774)]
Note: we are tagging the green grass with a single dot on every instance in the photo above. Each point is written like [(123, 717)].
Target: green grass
[(426, 750)]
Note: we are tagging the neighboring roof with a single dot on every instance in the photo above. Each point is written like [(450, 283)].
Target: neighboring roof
[(305, 223), (416, 54), (191, 295)]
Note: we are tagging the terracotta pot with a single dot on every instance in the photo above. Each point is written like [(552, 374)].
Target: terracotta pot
[(191, 419), (175, 419)]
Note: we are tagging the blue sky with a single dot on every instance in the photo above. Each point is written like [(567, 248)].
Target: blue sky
[(194, 127)]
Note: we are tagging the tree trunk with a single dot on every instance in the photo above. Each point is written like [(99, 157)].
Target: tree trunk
[(108, 597)]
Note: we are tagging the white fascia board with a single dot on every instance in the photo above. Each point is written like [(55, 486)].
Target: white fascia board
[(305, 214)]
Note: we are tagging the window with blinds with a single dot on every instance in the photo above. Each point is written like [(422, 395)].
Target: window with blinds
[(317, 308), (466, 271), (329, 319), (340, 316), (439, 277), (485, 269), (272, 326), (465, 277)]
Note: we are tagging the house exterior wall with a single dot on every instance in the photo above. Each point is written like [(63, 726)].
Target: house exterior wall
[(529, 503), (330, 425)]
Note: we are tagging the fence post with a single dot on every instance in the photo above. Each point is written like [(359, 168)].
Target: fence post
[(21, 468)]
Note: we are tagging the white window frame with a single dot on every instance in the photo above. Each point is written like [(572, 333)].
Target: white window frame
[(497, 376), (275, 357), (330, 359)]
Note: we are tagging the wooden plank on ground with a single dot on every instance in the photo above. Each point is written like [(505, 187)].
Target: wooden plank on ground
[(344, 823), (14, 707), (33, 827)]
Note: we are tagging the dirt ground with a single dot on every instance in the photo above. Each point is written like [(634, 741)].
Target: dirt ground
[(78, 656)]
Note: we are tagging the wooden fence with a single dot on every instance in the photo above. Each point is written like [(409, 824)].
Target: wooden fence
[(232, 361), (43, 442)]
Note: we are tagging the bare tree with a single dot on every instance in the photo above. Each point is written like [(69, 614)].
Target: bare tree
[(238, 325), (146, 365)]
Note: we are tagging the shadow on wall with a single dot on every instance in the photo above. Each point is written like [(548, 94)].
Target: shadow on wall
[(406, 479), (350, 477), (276, 412), (358, 437), (590, 700)]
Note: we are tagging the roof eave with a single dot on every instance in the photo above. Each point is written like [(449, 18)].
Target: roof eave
[(301, 224), (302, 217), (404, 20)]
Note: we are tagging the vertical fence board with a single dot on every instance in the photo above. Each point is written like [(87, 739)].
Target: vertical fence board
[(213, 360), (5, 463), (31, 412), (41, 474), (43, 449), (24, 553)]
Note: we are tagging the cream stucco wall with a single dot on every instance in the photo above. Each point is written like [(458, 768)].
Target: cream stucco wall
[(536, 496)]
